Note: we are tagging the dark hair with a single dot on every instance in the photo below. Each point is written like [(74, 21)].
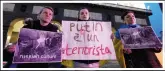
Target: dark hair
[(125, 13), (48, 7)]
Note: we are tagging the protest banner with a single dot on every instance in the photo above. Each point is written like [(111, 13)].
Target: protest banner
[(139, 38), (87, 40), (35, 46)]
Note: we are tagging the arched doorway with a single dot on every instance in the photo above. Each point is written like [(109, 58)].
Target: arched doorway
[(13, 31)]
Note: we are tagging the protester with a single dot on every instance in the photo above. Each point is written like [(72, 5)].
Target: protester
[(43, 22), (137, 58)]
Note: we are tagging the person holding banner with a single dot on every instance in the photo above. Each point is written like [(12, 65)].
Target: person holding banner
[(83, 15), (137, 58), (42, 23)]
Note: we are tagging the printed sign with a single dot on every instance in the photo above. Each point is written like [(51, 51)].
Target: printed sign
[(139, 38), (35, 46)]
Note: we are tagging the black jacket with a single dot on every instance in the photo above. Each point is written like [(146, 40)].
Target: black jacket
[(36, 25)]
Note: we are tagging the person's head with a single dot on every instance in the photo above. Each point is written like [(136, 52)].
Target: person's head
[(46, 14), (129, 17), (83, 14)]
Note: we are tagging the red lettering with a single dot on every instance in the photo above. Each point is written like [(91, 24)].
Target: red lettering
[(83, 50), (93, 51), (74, 49), (67, 49), (101, 49), (80, 50), (88, 50), (97, 49), (107, 50)]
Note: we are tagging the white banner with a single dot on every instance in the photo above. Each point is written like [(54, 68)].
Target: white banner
[(87, 40)]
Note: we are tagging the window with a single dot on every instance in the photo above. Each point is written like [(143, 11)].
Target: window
[(95, 16), (8, 7), (36, 9), (70, 13), (118, 19), (141, 21), (74, 14)]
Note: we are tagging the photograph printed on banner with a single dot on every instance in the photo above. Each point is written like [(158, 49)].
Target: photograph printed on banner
[(36, 46), (139, 38)]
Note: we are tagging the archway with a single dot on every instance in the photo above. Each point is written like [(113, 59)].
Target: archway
[(13, 31)]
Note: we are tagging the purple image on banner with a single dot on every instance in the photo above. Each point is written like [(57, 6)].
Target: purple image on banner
[(139, 38), (35, 46)]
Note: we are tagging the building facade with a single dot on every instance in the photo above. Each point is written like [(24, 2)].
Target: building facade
[(14, 12)]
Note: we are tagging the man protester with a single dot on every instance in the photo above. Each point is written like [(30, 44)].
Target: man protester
[(43, 23)]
